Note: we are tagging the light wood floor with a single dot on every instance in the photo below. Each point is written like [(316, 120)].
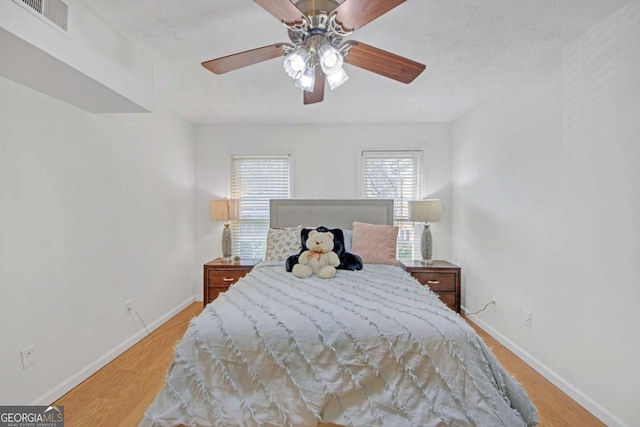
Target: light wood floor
[(119, 393)]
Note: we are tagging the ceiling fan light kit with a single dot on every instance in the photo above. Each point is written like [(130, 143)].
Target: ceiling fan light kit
[(317, 52)]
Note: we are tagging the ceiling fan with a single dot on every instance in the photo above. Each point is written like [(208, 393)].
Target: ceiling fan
[(317, 51)]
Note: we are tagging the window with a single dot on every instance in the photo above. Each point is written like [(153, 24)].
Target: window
[(254, 181), (395, 175)]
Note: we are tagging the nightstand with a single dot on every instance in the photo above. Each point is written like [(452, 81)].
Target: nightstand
[(442, 277), (219, 275)]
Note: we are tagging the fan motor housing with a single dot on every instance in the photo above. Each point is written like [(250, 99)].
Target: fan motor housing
[(310, 6), (318, 22)]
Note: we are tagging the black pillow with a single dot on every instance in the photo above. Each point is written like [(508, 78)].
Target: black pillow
[(348, 261)]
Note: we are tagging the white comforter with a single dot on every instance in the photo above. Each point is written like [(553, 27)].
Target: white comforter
[(367, 348)]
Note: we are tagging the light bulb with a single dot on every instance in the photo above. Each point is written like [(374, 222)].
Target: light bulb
[(307, 80), (296, 62), (337, 79), (331, 59)]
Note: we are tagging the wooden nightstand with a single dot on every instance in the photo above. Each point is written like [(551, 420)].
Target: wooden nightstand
[(219, 275), (442, 277)]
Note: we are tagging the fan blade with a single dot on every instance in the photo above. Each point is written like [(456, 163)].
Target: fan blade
[(318, 89), (354, 14), (381, 62), (283, 10), (243, 59)]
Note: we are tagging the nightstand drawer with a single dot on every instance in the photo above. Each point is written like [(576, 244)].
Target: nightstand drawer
[(449, 298), (224, 278), (215, 291), (442, 277), (219, 274), (445, 282)]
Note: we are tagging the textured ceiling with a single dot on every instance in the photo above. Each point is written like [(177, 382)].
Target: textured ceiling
[(470, 47)]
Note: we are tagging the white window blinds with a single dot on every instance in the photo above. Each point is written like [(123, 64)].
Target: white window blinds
[(395, 175), (254, 181)]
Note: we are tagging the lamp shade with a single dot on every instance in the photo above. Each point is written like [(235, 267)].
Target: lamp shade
[(223, 209), (429, 210)]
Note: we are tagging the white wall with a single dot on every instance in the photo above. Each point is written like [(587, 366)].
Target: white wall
[(94, 210), (325, 162), (546, 191), (113, 75)]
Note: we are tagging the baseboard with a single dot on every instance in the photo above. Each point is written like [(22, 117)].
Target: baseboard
[(585, 401), (63, 388)]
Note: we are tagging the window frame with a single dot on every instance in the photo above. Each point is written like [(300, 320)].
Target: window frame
[(406, 227), (237, 223)]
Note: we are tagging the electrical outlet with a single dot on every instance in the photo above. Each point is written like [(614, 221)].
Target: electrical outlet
[(127, 306), (494, 300), (28, 356), (527, 318)]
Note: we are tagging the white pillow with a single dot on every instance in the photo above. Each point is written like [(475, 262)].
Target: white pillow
[(283, 242), (348, 238)]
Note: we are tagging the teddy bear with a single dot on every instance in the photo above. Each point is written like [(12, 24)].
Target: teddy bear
[(319, 258), (348, 261)]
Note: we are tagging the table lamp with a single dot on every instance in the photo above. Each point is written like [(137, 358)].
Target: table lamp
[(224, 210), (426, 211)]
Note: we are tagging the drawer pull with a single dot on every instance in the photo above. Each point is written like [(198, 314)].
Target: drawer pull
[(433, 282), (228, 279)]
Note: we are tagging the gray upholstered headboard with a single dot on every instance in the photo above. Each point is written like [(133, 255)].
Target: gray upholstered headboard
[(330, 213)]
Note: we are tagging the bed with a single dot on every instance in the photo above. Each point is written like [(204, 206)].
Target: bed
[(366, 348)]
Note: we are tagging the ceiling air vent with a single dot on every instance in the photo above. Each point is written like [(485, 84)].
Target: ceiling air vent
[(53, 11)]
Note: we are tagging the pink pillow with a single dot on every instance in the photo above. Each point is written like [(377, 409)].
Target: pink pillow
[(375, 244)]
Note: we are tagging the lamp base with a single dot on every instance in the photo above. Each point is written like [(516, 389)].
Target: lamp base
[(226, 242), (426, 262), (426, 246)]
